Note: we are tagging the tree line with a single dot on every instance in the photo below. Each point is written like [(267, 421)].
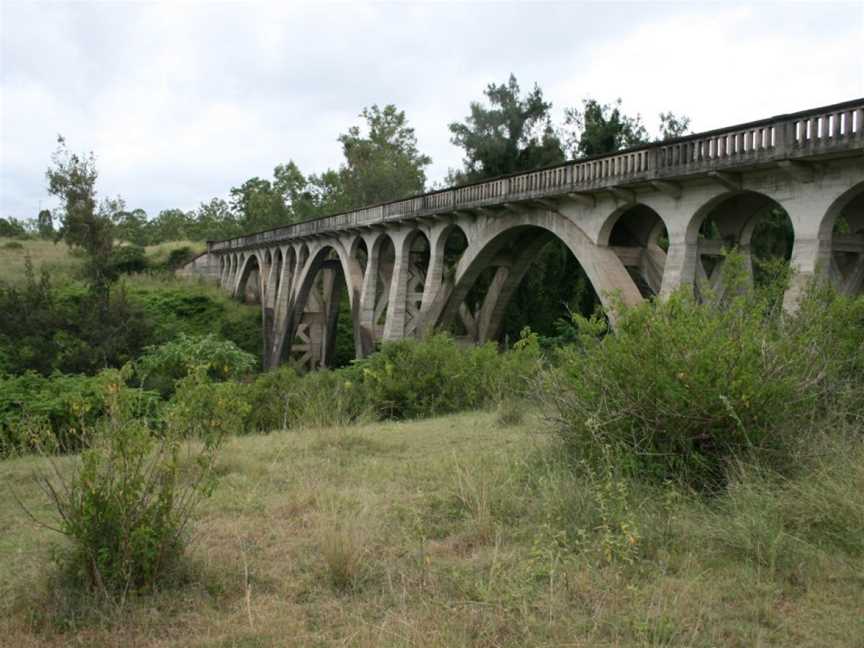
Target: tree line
[(507, 131)]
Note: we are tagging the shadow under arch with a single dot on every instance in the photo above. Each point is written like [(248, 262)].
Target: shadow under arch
[(510, 244), (326, 295), (843, 223), (639, 236), (249, 281), (752, 223)]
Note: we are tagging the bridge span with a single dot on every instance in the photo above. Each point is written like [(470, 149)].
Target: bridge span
[(632, 219)]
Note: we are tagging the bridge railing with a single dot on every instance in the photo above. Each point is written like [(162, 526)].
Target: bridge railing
[(813, 132)]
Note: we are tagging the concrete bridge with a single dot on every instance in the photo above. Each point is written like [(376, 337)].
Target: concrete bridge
[(632, 219)]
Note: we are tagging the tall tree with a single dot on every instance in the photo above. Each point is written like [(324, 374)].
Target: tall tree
[(83, 223), (383, 163), (45, 224), (257, 205), (507, 134), (598, 128)]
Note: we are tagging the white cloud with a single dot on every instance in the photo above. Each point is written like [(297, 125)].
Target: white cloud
[(181, 101)]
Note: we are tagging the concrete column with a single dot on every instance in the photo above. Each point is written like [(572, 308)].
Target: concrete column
[(681, 263), (366, 310), (394, 326)]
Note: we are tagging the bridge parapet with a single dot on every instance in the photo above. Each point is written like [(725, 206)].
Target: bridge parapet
[(820, 132)]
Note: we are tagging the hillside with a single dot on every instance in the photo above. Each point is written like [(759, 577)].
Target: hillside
[(62, 262), (457, 531)]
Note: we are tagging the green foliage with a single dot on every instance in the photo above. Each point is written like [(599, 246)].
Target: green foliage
[(174, 308), (602, 128), (512, 134), (179, 257), (13, 228), (84, 223), (128, 502), (128, 259), (682, 388), (62, 405), (385, 163), (44, 329), (207, 410), (283, 399), (13, 245), (159, 367), (411, 378)]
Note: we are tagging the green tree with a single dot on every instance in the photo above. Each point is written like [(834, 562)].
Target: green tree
[(84, 223), (45, 224), (382, 164), (598, 128), (132, 226), (257, 205), (214, 220), (672, 125), (510, 133)]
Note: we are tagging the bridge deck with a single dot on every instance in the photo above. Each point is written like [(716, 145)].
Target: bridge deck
[(825, 132)]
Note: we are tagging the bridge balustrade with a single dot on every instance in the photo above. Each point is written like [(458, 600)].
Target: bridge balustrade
[(813, 132)]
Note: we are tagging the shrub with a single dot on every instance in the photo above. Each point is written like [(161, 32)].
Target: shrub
[(62, 405), (201, 409), (283, 399), (682, 387), (161, 366), (128, 259), (128, 501), (412, 378), (13, 245), (179, 257)]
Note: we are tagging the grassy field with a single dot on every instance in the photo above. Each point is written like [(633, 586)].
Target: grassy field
[(55, 257), (457, 531), (61, 261)]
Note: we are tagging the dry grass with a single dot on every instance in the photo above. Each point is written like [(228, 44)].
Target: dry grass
[(63, 263), (56, 258), (443, 532)]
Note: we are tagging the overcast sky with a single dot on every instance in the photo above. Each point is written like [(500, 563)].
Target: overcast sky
[(180, 101)]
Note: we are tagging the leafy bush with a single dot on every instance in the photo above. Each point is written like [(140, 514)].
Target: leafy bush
[(161, 366), (202, 409), (681, 388), (187, 308), (61, 404), (45, 329), (179, 257), (127, 504), (128, 259), (283, 399), (412, 378)]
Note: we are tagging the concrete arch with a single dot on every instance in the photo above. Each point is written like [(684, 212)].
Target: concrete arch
[(604, 269), (634, 232), (251, 263), (358, 245), (735, 216), (645, 227), (848, 199), (350, 272), (846, 267), (413, 259), (753, 202)]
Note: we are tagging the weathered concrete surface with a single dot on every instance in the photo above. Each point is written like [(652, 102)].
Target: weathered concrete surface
[(402, 278)]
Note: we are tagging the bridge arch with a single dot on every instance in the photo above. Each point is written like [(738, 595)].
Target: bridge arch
[(250, 268), (754, 223), (843, 223), (531, 230), (310, 334), (640, 237)]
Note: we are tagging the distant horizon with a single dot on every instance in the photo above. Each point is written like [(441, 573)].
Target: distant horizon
[(177, 115)]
